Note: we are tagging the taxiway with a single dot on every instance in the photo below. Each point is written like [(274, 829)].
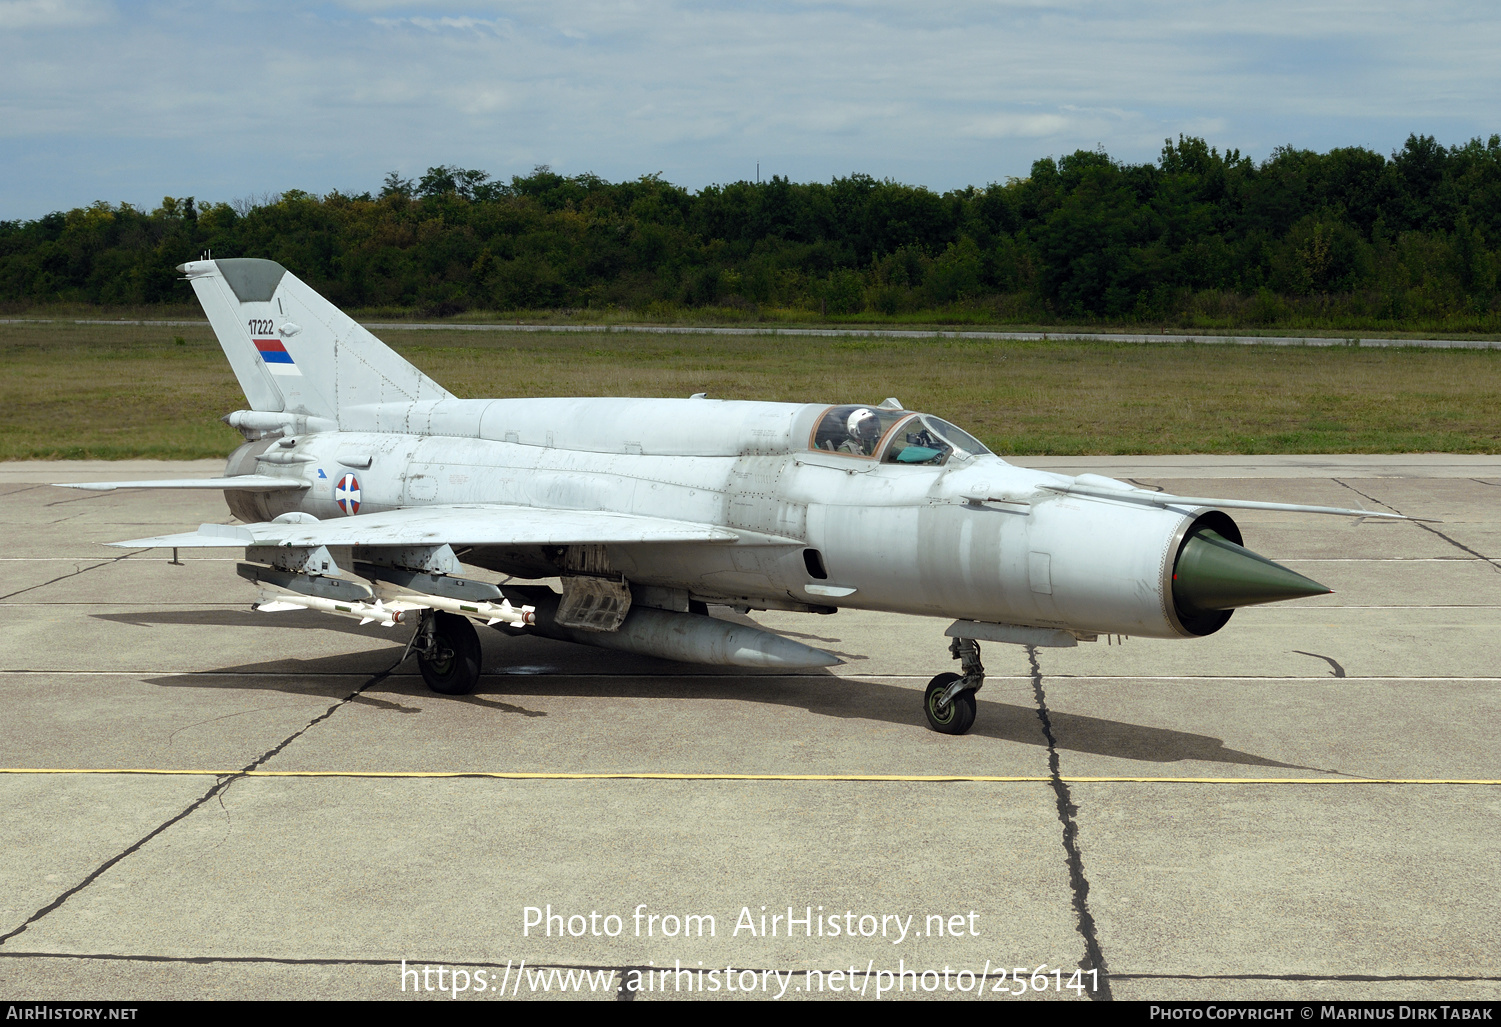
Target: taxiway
[(203, 801)]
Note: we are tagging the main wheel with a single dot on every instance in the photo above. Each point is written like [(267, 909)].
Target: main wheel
[(955, 718), (455, 664)]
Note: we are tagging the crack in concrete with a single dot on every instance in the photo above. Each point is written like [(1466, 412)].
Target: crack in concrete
[(77, 499), (73, 574), (220, 786), (228, 716), (70, 517), (105, 866), (1094, 957), (1426, 527), (276, 750)]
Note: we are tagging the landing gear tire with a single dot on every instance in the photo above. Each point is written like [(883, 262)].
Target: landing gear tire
[(958, 716), (453, 668)]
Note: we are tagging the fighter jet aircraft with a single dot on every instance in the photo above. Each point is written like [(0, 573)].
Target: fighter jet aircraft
[(363, 488)]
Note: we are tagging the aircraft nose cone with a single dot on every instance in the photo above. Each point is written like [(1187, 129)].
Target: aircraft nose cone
[(1213, 573)]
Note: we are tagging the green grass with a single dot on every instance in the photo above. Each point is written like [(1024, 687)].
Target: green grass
[(87, 391), (1210, 314)]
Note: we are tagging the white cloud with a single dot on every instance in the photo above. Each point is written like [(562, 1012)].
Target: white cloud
[(16, 15), (484, 25), (1017, 126), (190, 98)]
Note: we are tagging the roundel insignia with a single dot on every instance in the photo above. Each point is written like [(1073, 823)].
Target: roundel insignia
[(347, 494)]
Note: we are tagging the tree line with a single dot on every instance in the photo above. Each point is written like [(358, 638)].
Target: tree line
[(1199, 236)]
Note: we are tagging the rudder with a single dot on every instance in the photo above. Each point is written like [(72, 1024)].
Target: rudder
[(291, 350)]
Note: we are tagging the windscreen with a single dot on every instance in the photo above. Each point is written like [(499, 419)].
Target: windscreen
[(929, 440), (958, 436), (896, 436)]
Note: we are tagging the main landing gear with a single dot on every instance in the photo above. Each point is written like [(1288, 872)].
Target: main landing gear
[(448, 652), (949, 700)]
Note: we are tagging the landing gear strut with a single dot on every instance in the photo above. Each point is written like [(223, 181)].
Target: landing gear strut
[(448, 652), (949, 700)]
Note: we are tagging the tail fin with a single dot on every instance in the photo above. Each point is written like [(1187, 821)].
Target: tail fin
[(294, 351)]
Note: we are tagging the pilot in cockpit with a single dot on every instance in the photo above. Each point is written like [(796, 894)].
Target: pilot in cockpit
[(864, 430)]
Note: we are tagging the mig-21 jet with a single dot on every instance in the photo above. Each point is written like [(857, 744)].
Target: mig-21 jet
[(363, 489)]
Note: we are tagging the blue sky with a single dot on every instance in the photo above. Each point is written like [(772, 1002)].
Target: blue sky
[(125, 101)]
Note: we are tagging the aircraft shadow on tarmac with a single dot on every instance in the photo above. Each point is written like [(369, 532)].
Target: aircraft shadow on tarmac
[(539, 667), (241, 618)]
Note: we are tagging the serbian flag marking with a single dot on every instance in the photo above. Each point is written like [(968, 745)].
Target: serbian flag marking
[(347, 494), (275, 356)]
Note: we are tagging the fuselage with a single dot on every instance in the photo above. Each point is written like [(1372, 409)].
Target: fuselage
[(968, 536)]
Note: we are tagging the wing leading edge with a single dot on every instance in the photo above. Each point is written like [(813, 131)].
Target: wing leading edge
[(476, 524), (243, 482)]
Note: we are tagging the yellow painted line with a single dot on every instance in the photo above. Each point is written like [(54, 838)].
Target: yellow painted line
[(507, 775)]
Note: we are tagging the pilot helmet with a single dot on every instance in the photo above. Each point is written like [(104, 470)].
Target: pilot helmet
[(864, 425)]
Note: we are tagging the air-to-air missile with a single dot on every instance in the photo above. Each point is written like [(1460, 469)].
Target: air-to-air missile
[(365, 489)]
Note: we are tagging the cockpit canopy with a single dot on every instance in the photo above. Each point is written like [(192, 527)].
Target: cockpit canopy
[(892, 436)]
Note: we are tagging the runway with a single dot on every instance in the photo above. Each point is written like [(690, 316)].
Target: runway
[(201, 801), (1154, 338)]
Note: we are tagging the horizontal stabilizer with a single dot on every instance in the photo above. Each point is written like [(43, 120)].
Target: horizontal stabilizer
[(470, 525), (243, 482)]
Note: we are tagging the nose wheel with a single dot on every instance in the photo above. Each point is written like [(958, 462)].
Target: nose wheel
[(949, 700), (448, 652), (953, 717)]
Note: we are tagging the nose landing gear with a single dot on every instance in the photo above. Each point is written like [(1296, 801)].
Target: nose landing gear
[(949, 700)]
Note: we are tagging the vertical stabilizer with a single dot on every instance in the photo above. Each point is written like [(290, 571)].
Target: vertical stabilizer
[(294, 351)]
